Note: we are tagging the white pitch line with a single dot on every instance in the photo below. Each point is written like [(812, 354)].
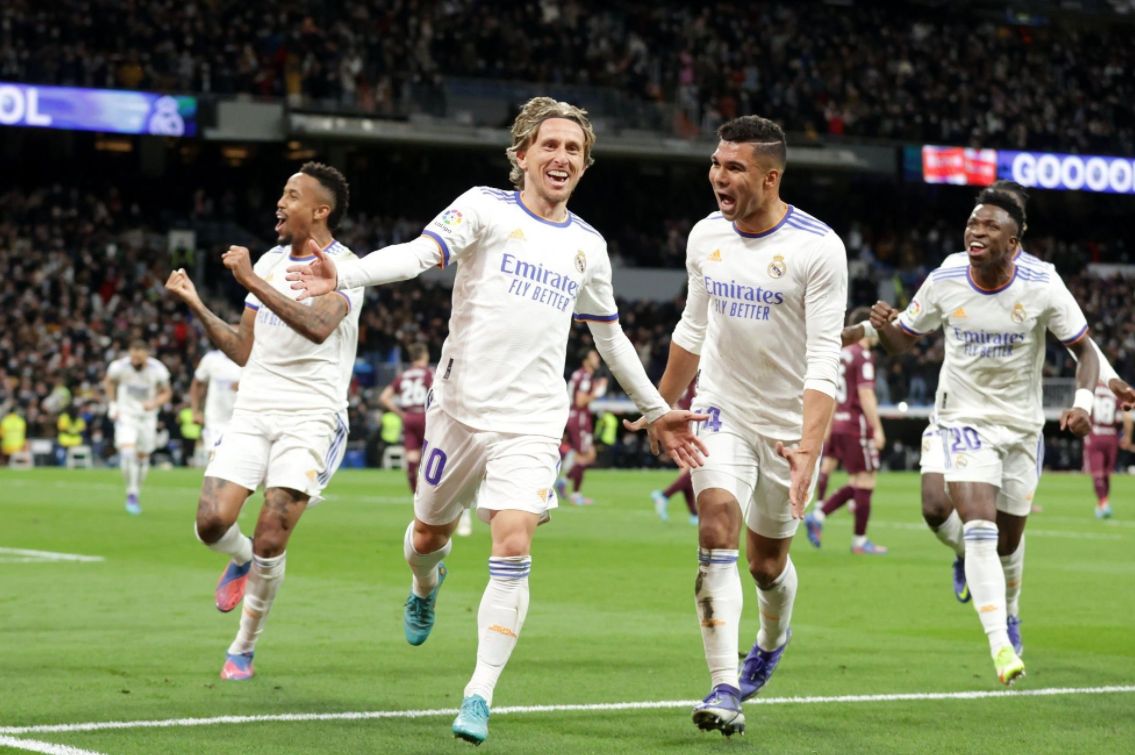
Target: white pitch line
[(583, 707), (30, 555), (32, 745)]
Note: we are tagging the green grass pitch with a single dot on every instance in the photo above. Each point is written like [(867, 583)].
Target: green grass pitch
[(135, 637)]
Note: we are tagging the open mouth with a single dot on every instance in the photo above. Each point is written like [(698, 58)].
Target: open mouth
[(281, 221), (726, 202), (976, 248), (558, 179)]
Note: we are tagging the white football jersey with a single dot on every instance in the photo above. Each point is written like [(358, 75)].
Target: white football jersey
[(285, 371), (136, 387), (519, 282), (221, 377), (994, 340), (765, 312)]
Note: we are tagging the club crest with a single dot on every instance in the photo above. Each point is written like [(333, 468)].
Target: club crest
[(778, 267)]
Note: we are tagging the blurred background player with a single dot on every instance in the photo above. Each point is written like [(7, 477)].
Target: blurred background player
[(406, 396), (995, 310), (583, 388), (136, 386), (215, 381), (682, 483), (854, 443), (288, 431), (1102, 444), (526, 267)]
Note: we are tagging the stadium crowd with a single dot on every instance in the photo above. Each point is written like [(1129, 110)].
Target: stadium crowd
[(84, 274), (929, 73)]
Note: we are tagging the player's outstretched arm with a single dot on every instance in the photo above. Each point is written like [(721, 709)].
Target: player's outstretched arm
[(1078, 419), (1109, 377), (390, 264), (235, 342)]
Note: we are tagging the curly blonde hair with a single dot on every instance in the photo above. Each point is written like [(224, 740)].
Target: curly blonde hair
[(527, 124)]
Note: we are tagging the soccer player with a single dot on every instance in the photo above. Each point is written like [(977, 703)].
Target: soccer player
[(526, 264), (767, 288), (412, 388), (994, 312), (289, 424), (215, 380), (136, 386), (937, 509), (583, 388), (1102, 444), (682, 484), (855, 441)]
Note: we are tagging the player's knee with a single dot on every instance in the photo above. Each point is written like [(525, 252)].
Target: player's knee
[(765, 569), (936, 506), (211, 526), (270, 542)]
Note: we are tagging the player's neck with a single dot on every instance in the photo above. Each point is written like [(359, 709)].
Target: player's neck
[(537, 205), (765, 217), (993, 276), (300, 246)]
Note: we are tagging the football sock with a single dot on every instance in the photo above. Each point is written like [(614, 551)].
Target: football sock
[(129, 463), (233, 543), (423, 565), (1014, 567), (1103, 487), (840, 497), (576, 477), (950, 533), (143, 469), (263, 580), (718, 595), (499, 619), (986, 580), (822, 486), (776, 608), (862, 509)]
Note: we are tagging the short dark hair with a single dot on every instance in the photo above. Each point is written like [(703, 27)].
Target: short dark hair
[(766, 136), (1012, 187), (334, 181), (1006, 202), (858, 315), (139, 343)]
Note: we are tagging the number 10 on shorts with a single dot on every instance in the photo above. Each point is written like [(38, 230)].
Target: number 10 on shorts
[(433, 463)]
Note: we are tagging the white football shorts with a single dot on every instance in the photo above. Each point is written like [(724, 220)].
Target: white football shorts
[(298, 452), (932, 461), (137, 432), (498, 471), (1005, 458), (745, 463)]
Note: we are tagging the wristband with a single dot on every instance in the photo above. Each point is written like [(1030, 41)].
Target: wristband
[(1085, 400), (869, 330)]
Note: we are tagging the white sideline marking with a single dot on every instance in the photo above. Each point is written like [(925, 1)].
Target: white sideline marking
[(1029, 531), (32, 745), (24, 556), (583, 707)]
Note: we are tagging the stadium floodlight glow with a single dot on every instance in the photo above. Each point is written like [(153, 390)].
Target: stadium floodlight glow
[(110, 110)]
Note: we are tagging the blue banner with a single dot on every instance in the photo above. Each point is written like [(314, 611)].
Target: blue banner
[(1049, 170), (110, 110)]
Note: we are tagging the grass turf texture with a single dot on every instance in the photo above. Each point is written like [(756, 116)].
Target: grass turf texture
[(136, 637)]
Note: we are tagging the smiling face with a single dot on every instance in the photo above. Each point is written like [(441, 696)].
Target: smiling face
[(742, 182), (553, 163), (991, 236), (303, 205)]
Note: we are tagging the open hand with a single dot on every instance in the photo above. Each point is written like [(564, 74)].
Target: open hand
[(802, 466), (1124, 392), (315, 278)]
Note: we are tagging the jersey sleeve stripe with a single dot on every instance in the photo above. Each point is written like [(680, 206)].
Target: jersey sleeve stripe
[(596, 318), (346, 299), (806, 228), (441, 245), (912, 331), (1083, 332), (804, 219), (253, 307)]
